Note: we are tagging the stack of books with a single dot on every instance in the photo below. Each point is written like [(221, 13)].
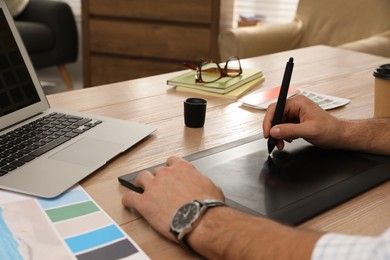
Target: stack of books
[(227, 87)]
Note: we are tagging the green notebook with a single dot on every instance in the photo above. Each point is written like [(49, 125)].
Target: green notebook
[(222, 86)]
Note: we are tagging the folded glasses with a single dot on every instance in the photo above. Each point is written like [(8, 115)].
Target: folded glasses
[(209, 71)]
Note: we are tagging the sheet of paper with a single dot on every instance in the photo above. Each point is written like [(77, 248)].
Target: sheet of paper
[(71, 226)]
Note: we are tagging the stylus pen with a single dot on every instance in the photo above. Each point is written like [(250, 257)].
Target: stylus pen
[(278, 116)]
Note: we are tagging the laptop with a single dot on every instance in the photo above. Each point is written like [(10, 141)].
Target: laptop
[(45, 151), (292, 185)]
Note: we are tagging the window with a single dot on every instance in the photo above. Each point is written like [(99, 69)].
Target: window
[(274, 11)]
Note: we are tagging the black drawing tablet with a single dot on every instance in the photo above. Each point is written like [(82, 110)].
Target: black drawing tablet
[(294, 185)]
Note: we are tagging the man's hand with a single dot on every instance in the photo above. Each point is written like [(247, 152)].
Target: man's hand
[(168, 188), (303, 118)]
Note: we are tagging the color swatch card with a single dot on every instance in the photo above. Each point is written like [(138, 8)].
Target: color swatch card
[(71, 226), (263, 98)]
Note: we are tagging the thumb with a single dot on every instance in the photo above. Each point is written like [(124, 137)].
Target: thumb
[(289, 131)]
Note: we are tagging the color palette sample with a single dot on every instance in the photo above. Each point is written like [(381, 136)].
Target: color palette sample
[(74, 225), (7, 241)]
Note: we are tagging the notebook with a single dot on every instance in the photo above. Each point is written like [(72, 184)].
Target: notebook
[(290, 186), (45, 151)]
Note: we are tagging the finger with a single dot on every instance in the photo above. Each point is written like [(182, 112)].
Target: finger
[(143, 179), (267, 122), (131, 199), (172, 159), (280, 145), (156, 170), (159, 170)]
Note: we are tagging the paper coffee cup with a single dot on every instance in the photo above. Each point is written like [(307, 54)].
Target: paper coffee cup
[(382, 91)]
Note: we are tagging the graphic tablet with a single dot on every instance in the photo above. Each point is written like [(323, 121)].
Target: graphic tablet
[(294, 185)]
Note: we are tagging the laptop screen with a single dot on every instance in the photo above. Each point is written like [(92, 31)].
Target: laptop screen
[(16, 86)]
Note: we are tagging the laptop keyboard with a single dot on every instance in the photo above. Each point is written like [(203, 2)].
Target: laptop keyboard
[(30, 141)]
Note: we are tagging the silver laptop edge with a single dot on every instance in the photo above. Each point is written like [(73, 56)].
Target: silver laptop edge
[(61, 168)]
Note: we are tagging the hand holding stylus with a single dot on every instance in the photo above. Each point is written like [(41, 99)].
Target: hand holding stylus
[(278, 116)]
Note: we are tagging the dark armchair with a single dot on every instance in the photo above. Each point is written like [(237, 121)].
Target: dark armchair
[(49, 32)]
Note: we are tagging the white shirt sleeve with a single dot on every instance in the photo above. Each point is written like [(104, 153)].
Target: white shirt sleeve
[(337, 246)]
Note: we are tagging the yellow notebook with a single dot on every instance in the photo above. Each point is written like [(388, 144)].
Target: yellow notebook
[(234, 94), (222, 86)]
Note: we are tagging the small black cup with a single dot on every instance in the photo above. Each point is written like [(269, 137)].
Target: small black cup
[(195, 112)]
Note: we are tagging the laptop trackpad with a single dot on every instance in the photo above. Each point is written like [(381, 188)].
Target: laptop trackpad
[(88, 152)]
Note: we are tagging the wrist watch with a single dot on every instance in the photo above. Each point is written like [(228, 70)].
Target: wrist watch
[(185, 217)]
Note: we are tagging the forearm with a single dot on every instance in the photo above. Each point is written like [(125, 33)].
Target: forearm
[(225, 233), (370, 135)]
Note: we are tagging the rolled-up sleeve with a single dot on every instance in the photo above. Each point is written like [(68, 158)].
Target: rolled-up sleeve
[(337, 246)]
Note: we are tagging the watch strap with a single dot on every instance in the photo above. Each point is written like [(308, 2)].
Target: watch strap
[(211, 203), (204, 206)]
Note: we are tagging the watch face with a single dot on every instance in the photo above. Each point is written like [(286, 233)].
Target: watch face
[(185, 216)]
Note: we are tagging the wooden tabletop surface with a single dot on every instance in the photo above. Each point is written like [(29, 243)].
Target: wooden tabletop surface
[(149, 100)]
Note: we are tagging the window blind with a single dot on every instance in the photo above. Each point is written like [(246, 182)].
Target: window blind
[(275, 11)]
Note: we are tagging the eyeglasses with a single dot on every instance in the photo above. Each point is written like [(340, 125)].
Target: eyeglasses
[(208, 72)]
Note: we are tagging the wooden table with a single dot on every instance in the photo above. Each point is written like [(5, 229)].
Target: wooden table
[(149, 100)]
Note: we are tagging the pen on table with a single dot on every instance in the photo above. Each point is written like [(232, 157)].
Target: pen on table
[(278, 116)]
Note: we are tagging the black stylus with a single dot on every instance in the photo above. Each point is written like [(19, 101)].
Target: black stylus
[(278, 116)]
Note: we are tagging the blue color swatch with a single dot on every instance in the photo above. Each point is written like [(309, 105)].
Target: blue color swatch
[(94, 238), (7, 242)]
